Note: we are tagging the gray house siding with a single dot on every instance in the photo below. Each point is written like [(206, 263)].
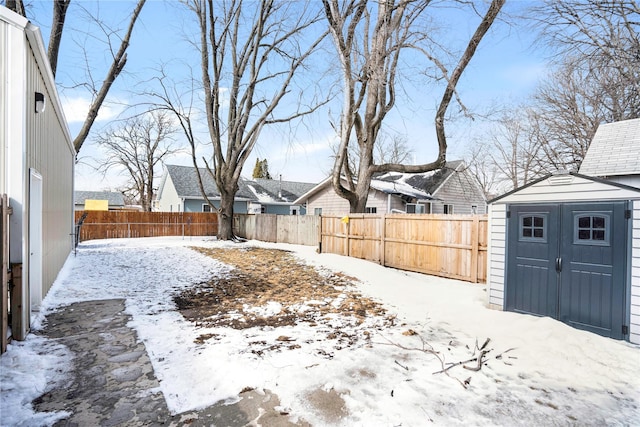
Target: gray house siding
[(195, 205), (461, 191), (329, 202), (277, 209)]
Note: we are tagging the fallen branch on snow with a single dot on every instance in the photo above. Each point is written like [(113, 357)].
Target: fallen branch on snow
[(446, 366)]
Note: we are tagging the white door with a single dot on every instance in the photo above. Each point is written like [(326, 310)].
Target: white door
[(35, 239)]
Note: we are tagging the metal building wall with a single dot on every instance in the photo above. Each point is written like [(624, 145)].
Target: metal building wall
[(50, 152)]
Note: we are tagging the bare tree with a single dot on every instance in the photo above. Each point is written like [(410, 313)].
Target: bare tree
[(369, 43), (389, 149), (57, 26), (16, 6), (137, 146), (597, 74), (250, 54), (509, 154), (98, 91), (481, 164)]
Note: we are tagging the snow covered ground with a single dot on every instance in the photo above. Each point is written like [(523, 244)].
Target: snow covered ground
[(550, 375)]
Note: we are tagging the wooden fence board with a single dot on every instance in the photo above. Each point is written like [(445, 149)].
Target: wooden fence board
[(451, 246), (122, 224), (294, 229)]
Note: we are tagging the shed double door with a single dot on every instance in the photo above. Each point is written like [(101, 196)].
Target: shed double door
[(568, 261)]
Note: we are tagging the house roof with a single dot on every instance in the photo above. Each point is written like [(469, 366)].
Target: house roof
[(614, 150), (266, 191), (113, 198), (419, 185), (425, 183), (276, 190)]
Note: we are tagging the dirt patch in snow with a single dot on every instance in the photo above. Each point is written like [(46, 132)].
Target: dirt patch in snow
[(272, 288)]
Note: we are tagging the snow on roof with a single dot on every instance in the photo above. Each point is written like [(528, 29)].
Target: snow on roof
[(399, 187)]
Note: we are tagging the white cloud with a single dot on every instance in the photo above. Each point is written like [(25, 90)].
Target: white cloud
[(76, 109)]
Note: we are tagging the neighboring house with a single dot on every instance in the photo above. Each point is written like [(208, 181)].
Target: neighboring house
[(36, 165), (567, 245), (450, 190), (112, 199), (180, 192), (614, 153), (278, 196)]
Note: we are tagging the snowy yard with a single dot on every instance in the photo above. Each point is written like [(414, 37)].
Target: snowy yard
[(372, 339)]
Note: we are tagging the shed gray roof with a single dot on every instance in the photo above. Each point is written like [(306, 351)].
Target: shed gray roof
[(113, 198), (185, 181), (614, 150)]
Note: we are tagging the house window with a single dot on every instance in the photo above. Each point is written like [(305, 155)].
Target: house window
[(206, 207), (414, 208), (317, 211), (533, 227), (474, 209), (591, 228), (370, 210), (448, 209)]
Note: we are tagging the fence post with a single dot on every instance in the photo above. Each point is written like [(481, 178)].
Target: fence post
[(319, 234), (383, 238), (348, 234), (475, 243)]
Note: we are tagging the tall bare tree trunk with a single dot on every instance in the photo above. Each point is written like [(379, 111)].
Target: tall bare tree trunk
[(57, 26)]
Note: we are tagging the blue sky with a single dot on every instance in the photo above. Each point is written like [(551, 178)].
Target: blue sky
[(504, 70)]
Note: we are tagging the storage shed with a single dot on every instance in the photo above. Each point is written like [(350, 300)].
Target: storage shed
[(567, 246)]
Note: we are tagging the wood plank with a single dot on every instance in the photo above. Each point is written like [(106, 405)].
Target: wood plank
[(19, 330), (4, 263)]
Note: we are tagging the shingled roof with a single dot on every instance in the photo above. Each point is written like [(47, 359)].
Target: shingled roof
[(418, 185), (614, 150), (185, 181), (284, 191), (112, 197), (427, 182)]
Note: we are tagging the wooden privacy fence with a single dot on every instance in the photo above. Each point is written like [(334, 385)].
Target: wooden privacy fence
[(294, 229), (119, 224), (453, 246)]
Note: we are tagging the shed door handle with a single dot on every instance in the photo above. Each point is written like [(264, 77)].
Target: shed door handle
[(558, 264)]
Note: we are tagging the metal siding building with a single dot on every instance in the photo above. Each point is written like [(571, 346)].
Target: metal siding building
[(37, 158)]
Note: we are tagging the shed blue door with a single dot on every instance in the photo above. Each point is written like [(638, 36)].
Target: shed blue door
[(568, 261), (533, 248), (593, 260)]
